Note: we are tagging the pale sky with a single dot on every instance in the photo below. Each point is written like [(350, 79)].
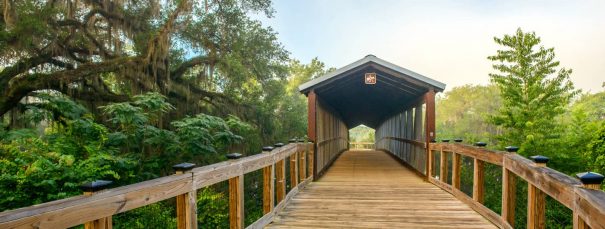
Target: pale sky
[(444, 40)]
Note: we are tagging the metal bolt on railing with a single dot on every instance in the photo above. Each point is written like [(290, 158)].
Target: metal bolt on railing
[(591, 180), (540, 160)]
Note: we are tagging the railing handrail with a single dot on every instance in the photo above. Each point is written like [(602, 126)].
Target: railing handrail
[(78, 210), (588, 205)]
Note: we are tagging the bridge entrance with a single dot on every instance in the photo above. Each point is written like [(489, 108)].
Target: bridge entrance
[(398, 103)]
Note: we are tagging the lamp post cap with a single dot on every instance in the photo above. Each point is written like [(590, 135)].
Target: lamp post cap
[(95, 186)]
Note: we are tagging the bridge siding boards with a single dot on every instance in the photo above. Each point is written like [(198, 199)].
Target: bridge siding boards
[(369, 189)]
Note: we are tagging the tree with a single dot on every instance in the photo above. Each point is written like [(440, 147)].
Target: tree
[(462, 113), (534, 92), (197, 53)]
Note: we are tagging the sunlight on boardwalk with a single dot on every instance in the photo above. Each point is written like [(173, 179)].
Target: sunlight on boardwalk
[(369, 189)]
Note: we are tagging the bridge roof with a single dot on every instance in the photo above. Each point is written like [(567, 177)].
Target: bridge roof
[(359, 103)]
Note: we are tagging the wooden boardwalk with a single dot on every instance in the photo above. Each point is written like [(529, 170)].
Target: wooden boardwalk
[(369, 189)]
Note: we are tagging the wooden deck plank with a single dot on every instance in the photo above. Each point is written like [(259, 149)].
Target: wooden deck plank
[(369, 189)]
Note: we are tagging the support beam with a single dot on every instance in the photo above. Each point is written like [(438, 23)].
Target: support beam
[(429, 131)]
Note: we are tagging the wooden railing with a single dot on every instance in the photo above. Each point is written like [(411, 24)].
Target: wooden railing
[(95, 210), (328, 151), (412, 152), (361, 145), (587, 204)]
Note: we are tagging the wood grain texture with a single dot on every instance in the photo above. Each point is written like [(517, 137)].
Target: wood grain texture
[(268, 187), (369, 189), (443, 167), (509, 196), (556, 184), (456, 170), (478, 181), (536, 208), (280, 180), (481, 153), (236, 202), (294, 170), (78, 210), (590, 207), (186, 210)]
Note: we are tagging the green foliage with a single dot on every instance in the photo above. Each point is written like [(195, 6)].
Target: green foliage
[(158, 215), (361, 133), (462, 113), (213, 209), (534, 93), (36, 170), (596, 150)]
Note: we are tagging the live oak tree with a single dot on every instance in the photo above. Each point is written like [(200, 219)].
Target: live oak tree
[(534, 92), (100, 51)]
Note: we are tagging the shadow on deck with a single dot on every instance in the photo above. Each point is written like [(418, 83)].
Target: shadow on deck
[(369, 189)]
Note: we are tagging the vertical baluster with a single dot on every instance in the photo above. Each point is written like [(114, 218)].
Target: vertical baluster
[(509, 191), (268, 184), (455, 170), (443, 173), (302, 167), (478, 177), (236, 198), (536, 200), (280, 177), (294, 166)]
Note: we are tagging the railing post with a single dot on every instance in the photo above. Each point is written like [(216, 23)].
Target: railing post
[(455, 169), (302, 169), (536, 199), (478, 177), (90, 189), (186, 205), (280, 177), (589, 180), (294, 166), (268, 176), (236, 197), (509, 191)]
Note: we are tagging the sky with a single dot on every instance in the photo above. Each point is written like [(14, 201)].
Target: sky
[(448, 41)]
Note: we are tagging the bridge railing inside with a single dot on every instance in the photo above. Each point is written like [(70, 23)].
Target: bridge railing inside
[(585, 200), (100, 206), (361, 145)]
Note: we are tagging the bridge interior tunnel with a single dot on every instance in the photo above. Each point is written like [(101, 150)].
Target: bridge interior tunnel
[(398, 103)]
